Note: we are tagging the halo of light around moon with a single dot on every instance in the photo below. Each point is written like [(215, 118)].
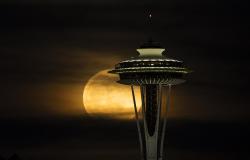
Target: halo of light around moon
[(104, 97)]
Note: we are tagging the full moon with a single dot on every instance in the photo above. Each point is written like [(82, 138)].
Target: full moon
[(104, 97)]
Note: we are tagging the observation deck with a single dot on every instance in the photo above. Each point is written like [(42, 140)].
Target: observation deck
[(151, 67)]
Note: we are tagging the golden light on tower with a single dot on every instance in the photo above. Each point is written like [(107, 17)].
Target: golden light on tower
[(103, 97)]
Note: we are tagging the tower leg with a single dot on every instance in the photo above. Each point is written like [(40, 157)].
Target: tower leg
[(137, 122), (165, 123), (152, 141)]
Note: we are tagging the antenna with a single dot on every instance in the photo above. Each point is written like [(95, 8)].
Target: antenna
[(150, 42), (150, 27)]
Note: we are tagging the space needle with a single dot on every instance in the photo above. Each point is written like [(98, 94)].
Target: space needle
[(153, 72)]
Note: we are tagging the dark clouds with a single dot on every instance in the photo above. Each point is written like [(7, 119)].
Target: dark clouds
[(97, 139)]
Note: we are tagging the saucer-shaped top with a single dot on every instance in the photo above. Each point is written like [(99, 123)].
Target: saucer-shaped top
[(151, 67)]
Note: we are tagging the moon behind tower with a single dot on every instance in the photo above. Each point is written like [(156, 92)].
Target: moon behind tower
[(103, 97)]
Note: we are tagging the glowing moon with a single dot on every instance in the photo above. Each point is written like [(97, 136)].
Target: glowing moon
[(103, 96)]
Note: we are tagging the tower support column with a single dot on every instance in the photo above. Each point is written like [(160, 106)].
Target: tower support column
[(151, 130)]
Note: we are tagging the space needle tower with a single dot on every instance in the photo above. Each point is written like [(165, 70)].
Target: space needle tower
[(153, 72)]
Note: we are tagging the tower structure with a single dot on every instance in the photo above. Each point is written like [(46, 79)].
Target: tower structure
[(152, 71)]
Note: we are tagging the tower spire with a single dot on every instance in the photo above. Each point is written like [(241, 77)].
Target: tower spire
[(150, 26), (150, 42)]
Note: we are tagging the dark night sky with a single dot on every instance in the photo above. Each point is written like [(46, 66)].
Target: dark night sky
[(49, 49)]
